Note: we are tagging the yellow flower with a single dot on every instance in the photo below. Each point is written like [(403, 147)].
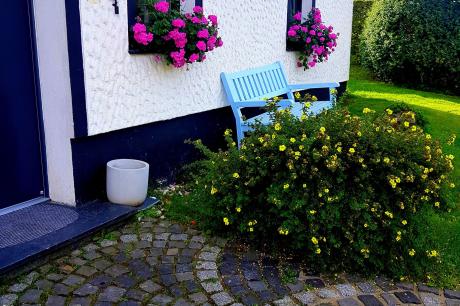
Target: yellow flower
[(366, 110), (314, 98), (386, 160), (366, 225), (238, 209), (251, 229), (314, 240), (312, 212), (297, 95), (377, 129), (452, 185), (318, 251), (389, 111), (322, 129), (236, 175), (286, 186), (226, 222), (261, 139), (433, 253), (389, 214), (304, 185), (301, 147), (292, 139), (359, 134), (437, 204), (413, 128), (428, 136), (283, 231), (411, 252), (326, 190), (213, 190), (282, 148), (398, 238), (277, 126), (404, 222), (339, 149), (393, 121), (351, 150), (228, 132), (406, 124)]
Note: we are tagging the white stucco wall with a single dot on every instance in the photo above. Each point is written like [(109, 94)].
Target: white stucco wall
[(53, 64), (123, 90)]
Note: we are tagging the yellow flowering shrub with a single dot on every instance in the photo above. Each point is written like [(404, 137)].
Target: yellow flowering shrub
[(340, 190)]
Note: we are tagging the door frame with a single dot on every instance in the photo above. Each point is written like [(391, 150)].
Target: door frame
[(39, 113)]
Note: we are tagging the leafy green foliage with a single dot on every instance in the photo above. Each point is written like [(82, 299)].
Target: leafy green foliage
[(360, 10), (414, 42), (328, 187)]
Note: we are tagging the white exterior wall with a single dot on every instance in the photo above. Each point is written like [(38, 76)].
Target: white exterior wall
[(53, 65), (124, 90)]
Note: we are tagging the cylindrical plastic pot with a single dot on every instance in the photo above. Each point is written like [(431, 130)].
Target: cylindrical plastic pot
[(127, 181)]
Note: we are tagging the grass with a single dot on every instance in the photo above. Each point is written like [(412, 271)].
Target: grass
[(443, 115)]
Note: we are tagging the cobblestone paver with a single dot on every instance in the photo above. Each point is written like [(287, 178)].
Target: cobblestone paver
[(156, 262)]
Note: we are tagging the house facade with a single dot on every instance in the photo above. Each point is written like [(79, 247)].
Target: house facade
[(77, 98)]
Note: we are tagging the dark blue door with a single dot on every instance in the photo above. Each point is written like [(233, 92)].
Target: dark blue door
[(21, 171)]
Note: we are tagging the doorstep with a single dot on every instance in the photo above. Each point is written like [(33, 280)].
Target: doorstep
[(30, 233)]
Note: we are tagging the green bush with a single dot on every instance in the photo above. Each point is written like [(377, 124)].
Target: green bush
[(360, 10), (344, 192), (414, 42)]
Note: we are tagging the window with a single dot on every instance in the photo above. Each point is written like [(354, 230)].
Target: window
[(295, 6), (137, 8)]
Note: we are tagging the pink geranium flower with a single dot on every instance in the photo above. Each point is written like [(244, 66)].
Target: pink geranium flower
[(178, 58), (193, 57), (219, 43), (201, 45), (143, 38), (198, 10), (203, 34), (162, 6), (292, 33), (139, 27), (213, 19), (298, 16), (196, 20), (178, 23)]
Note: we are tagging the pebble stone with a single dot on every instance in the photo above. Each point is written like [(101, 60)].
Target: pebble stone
[(8, 299), (430, 299), (222, 298), (346, 289), (348, 302), (306, 297)]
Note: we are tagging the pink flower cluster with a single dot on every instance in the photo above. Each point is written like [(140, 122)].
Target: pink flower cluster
[(141, 35), (316, 39), (188, 37)]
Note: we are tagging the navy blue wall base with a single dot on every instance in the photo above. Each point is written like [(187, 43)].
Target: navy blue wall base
[(161, 144)]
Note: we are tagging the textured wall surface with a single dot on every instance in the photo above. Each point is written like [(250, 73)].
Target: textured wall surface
[(124, 90)]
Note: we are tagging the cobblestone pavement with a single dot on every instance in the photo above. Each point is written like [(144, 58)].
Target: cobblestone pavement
[(159, 263)]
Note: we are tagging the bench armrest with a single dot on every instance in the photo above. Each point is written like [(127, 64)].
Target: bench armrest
[(313, 86), (261, 103)]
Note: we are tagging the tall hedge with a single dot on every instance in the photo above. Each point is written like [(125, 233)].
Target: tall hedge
[(415, 42), (360, 10)]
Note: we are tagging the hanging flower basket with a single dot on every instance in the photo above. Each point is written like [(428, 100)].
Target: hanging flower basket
[(179, 39), (314, 41)]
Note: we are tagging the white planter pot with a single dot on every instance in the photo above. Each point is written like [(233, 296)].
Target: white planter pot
[(127, 181)]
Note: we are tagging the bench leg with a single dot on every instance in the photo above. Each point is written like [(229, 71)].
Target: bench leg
[(239, 135)]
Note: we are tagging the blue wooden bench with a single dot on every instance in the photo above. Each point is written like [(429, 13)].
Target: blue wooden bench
[(249, 88)]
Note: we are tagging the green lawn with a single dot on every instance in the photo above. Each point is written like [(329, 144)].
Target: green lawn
[(443, 115)]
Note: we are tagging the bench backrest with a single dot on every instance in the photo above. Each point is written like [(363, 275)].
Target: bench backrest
[(255, 84)]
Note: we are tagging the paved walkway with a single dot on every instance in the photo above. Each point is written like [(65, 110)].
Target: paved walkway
[(159, 263)]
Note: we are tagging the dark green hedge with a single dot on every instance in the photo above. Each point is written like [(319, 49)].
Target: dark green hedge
[(360, 10), (415, 42)]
